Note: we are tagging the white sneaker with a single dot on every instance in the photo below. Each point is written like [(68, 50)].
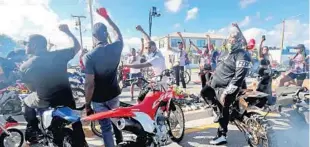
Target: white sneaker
[(219, 140)]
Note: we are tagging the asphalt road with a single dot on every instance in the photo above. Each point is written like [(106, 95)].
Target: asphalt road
[(289, 131)]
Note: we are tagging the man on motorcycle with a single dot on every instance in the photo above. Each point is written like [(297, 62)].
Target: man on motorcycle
[(155, 58), (101, 86), (228, 78), (45, 74)]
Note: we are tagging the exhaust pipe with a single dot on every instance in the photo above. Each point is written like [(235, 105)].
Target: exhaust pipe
[(129, 124)]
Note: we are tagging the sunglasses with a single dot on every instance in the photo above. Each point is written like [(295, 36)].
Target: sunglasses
[(24, 43)]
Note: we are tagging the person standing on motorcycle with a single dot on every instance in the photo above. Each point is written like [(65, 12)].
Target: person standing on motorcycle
[(45, 74), (228, 78), (204, 62), (101, 85), (178, 61), (155, 58), (134, 73)]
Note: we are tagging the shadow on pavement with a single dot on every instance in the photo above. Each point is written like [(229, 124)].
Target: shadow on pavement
[(290, 131), (202, 138)]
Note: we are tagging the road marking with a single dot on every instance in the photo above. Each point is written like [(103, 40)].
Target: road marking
[(200, 128)]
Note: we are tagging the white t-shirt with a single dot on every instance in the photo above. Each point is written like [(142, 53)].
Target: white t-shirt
[(179, 58), (158, 62), (132, 70)]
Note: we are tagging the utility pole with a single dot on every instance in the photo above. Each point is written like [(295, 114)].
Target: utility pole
[(283, 29), (78, 23)]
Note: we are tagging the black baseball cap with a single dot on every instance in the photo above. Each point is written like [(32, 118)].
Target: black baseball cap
[(300, 46)]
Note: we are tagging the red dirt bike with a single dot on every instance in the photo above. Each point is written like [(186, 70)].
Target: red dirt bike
[(123, 75), (11, 105), (155, 120), (10, 136)]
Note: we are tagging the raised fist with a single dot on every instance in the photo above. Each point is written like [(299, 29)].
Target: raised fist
[(103, 12), (179, 33), (234, 24), (64, 28), (139, 28)]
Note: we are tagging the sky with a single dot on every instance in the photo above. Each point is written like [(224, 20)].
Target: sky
[(20, 18)]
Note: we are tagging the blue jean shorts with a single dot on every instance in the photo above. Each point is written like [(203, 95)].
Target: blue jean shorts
[(136, 75)]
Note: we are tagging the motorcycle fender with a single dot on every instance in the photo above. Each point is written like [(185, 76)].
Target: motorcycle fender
[(47, 118), (146, 122)]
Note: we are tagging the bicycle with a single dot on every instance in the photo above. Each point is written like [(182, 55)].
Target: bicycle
[(186, 75)]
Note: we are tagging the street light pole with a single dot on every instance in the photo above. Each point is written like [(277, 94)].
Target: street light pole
[(90, 5), (153, 13), (283, 28), (80, 26)]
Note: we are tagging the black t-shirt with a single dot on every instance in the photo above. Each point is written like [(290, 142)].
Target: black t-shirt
[(17, 56), (7, 66), (102, 62), (46, 74), (266, 77)]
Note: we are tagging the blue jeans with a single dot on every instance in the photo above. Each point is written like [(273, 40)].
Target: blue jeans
[(255, 66), (106, 124)]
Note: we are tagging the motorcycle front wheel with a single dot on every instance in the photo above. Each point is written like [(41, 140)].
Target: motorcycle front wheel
[(262, 134), (176, 122), (16, 139)]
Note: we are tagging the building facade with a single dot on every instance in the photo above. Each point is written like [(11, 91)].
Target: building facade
[(198, 39)]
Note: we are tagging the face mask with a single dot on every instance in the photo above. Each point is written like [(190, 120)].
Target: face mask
[(228, 46)]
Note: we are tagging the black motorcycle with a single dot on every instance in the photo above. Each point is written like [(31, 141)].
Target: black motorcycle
[(246, 114)]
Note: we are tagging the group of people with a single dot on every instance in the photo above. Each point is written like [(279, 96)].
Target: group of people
[(45, 74)]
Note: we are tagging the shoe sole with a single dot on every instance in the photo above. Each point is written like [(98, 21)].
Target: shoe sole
[(221, 143)]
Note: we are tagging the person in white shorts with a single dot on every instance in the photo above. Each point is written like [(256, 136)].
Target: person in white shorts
[(134, 73)]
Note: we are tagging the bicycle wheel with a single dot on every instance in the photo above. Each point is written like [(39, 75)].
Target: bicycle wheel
[(187, 77)]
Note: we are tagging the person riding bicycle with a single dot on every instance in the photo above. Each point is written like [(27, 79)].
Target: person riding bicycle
[(155, 58), (45, 74), (227, 79)]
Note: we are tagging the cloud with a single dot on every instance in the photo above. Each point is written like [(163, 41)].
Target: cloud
[(192, 13), (245, 22), (245, 3), (295, 33), (173, 5), (177, 25), (33, 16), (268, 18)]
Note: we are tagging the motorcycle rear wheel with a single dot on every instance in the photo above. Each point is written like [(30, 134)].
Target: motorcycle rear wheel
[(68, 138), (176, 109), (261, 131)]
